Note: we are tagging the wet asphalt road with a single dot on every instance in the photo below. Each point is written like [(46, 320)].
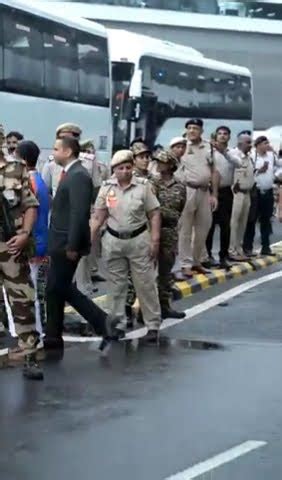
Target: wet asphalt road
[(146, 413)]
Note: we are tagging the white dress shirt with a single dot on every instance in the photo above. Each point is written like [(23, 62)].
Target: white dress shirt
[(225, 163), (265, 180), (69, 165)]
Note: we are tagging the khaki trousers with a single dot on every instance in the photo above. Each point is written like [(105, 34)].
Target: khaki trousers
[(122, 256), (196, 218), (239, 219)]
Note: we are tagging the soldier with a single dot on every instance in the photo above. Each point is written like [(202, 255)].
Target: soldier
[(17, 217), (128, 204), (172, 197), (197, 172), (51, 172)]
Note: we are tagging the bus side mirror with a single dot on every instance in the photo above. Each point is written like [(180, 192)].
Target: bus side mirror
[(132, 110), (135, 90)]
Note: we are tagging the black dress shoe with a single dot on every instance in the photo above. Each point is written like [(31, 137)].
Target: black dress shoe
[(268, 252), (105, 346), (53, 343), (31, 369), (225, 265), (151, 338), (169, 313)]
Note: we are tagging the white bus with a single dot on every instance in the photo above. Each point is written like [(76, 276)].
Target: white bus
[(54, 70), (157, 85)]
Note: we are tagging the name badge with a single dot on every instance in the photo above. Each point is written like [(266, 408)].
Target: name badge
[(111, 199)]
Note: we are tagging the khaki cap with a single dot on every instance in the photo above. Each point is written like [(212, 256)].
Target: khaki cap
[(87, 144), (177, 140), (138, 148), (68, 128), (167, 157), (122, 156)]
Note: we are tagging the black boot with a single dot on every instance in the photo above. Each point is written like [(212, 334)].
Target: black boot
[(31, 369), (170, 313)]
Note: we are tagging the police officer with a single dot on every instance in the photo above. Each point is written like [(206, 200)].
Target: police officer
[(177, 146), (141, 160), (51, 172), (21, 206), (172, 197), (197, 172), (128, 203), (243, 183)]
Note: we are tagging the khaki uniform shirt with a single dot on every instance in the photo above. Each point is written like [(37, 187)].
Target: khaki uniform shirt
[(127, 208), (15, 185), (196, 164), (244, 175)]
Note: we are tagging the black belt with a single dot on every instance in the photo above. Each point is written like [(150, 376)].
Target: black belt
[(127, 235)]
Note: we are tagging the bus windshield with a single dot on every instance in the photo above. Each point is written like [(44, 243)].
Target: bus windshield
[(121, 78)]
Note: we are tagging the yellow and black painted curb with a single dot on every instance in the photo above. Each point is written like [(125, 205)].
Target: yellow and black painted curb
[(198, 283), (201, 282)]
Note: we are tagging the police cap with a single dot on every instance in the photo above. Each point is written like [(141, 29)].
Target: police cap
[(195, 121), (138, 148), (122, 156), (177, 141), (85, 144), (69, 128), (168, 158)]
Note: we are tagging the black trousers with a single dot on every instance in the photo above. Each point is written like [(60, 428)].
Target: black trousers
[(221, 217), (61, 289), (262, 205)]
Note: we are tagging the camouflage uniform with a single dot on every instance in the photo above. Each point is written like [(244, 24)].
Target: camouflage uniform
[(15, 273), (172, 198)]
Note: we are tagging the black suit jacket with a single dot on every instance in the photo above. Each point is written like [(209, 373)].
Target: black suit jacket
[(69, 225)]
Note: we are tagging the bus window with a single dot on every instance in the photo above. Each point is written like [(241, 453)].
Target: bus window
[(121, 77), (93, 70), (23, 67), (60, 59)]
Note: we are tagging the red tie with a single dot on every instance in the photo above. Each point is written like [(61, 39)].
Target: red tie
[(63, 174)]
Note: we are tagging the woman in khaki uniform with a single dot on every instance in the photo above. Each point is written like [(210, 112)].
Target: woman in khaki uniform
[(126, 203)]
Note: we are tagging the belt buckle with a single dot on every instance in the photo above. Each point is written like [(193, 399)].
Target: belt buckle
[(124, 235)]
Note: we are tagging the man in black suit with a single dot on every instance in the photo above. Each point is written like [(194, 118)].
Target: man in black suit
[(69, 240)]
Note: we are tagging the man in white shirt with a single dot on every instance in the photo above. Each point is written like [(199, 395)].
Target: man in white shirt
[(266, 163), (225, 163)]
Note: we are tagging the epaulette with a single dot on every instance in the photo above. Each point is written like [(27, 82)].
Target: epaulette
[(106, 183), (11, 159), (142, 180)]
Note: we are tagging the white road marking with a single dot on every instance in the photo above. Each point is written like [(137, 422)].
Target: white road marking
[(217, 461), (3, 352), (193, 311)]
